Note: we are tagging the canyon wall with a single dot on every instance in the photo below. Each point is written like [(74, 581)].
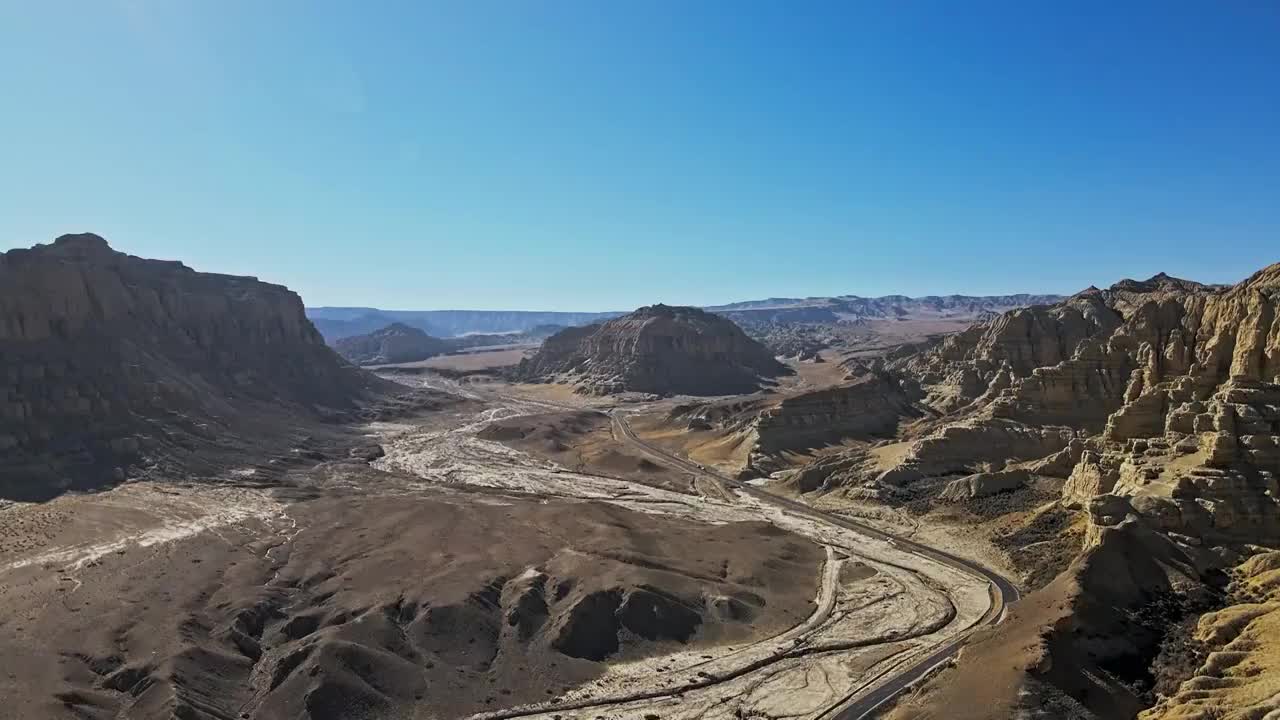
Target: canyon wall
[(106, 358)]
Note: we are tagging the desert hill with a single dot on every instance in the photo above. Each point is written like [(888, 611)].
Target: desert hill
[(656, 349), (110, 361), (394, 343)]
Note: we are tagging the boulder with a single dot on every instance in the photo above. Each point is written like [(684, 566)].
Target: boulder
[(1107, 509)]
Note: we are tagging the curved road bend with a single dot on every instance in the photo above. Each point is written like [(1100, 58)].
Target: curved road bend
[(1003, 591)]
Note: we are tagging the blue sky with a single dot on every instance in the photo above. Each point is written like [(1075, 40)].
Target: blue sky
[(602, 155)]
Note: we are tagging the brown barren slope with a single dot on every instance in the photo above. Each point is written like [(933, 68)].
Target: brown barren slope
[(354, 607)]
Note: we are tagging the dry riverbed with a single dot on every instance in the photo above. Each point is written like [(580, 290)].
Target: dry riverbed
[(350, 590)]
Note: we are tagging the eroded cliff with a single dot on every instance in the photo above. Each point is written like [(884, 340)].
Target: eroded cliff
[(1154, 408), (109, 361)]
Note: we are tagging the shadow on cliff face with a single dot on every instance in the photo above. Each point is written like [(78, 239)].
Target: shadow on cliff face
[(115, 366), (1085, 644)]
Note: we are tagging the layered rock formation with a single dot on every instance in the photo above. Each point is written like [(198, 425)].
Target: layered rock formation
[(980, 485), (657, 349), (1195, 440), (108, 359), (872, 405), (394, 343), (767, 427), (1174, 381), (1155, 407)]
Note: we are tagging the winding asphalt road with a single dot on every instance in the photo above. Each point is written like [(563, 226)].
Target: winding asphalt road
[(1002, 591)]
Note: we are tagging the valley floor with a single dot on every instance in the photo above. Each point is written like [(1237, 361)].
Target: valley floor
[(403, 588)]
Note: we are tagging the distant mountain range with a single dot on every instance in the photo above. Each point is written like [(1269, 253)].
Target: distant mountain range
[(854, 308), (335, 323), (339, 322), (397, 343)]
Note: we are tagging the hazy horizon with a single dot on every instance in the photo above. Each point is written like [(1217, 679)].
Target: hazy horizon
[(573, 157)]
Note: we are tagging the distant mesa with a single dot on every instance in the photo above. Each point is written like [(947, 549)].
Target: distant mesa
[(395, 343), (657, 349)]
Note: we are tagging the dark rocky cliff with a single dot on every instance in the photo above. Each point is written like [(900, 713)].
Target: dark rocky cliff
[(107, 360)]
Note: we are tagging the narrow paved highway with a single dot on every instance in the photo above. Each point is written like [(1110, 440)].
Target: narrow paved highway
[(1003, 592)]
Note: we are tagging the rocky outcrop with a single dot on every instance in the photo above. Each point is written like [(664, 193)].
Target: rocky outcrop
[(1067, 364), (1175, 381), (973, 448), (395, 343), (1196, 438), (1061, 463), (658, 349), (1239, 647), (971, 444), (1167, 397), (871, 405), (107, 360), (980, 485)]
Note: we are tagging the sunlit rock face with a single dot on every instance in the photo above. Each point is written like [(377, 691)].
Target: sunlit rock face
[(1162, 390), (871, 405), (1195, 441), (657, 349)]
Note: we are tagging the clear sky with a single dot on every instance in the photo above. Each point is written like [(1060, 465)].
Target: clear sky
[(603, 155)]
